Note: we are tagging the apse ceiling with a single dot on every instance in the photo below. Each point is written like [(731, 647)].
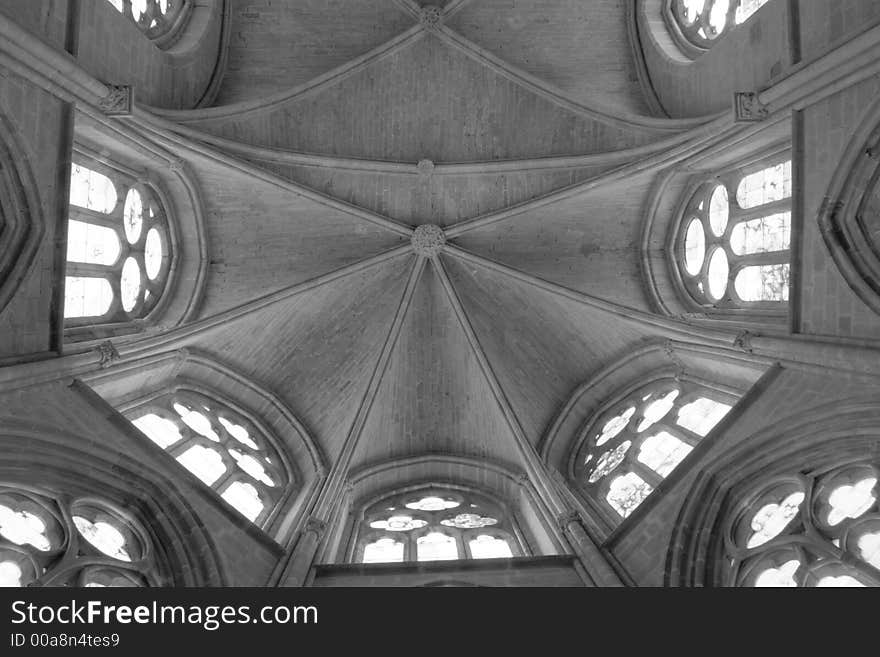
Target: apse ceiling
[(424, 222)]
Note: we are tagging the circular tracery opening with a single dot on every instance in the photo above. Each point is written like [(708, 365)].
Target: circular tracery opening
[(734, 240), (703, 22), (631, 447), (118, 249), (775, 538), (434, 524), (85, 543)]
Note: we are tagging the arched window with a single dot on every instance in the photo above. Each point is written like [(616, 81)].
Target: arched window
[(733, 247), (59, 542), (118, 248), (435, 524), (642, 437), (222, 448), (702, 22), (158, 19), (820, 529)]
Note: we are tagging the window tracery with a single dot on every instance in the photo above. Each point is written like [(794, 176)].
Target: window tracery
[(435, 525), (816, 530), (733, 247), (640, 439), (60, 542), (118, 248), (219, 446), (702, 22), (155, 18)]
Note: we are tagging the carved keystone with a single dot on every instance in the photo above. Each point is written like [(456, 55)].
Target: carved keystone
[(747, 108), (431, 17), (118, 102), (428, 240)]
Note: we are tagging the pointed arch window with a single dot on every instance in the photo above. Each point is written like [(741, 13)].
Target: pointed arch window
[(435, 524), (703, 22), (48, 541), (221, 447), (732, 251), (640, 438), (119, 254), (159, 20), (815, 530)]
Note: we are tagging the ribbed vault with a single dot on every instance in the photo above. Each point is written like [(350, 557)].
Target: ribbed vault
[(461, 343)]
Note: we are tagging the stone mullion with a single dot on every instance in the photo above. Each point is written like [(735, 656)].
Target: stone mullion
[(739, 215)]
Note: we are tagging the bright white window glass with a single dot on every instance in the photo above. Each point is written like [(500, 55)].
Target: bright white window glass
[(694, 247), (489, 547), (130, 284), (851, 501), (747, 8), (245, 498), (384, 550), (701, 415), (657, 410), (250, 465), (718, 16), (197, 422), (432, 504), (23, 528), (161, 431), (103, 536), (779, 577), (10, 574), (138, 7), (204, 463), (469, 521), (762, 235), (153, 254), (765, 186), (117, 3), (90, 243), (763, 283), (719, 272), (719, 210), (91, 190), (239, 433), (626, 492), (400, 523), (772, 519), (133, 216), (609, 461), (663, 452), (869, 548), (615, 425), (692, 10), (436, 547), (841, 581), (86, 296)]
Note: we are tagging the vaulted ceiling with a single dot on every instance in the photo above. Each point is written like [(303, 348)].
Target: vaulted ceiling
[(520, 128)]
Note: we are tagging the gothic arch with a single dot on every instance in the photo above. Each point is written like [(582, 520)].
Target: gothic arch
[(721, 375), (129, 386), (47, 463), (21, 221), (539, 533), (849, 218), (176, 189), (670, 209), (828, 437)]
